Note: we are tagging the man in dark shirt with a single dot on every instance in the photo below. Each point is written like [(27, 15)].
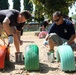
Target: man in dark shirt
[(60, 31), (12, 22)]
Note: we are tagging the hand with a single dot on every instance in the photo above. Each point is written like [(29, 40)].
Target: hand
[(21, 42), (10, 39), (45, 42)]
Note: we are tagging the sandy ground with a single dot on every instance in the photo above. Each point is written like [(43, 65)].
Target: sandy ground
[(46, 67)]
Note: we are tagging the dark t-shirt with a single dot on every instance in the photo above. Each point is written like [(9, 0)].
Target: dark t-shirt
[(65, 30), (11, 14), (45, 23), (20, 26)]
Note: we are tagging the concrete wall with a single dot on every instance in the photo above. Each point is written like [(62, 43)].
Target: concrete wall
[(31, 27)]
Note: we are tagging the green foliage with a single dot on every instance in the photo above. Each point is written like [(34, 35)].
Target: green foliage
[(16, 4), (74, 17), (4, 4), (28, 5), (49, 6), (39, 13)]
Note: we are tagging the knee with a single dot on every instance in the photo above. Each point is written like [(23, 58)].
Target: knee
[(53, 35)]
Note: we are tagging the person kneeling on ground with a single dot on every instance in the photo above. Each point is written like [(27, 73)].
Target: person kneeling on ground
[(61, 32)]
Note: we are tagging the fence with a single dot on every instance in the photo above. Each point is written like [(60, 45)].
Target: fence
[(33, 27)]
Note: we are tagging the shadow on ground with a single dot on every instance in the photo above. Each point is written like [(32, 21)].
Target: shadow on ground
[(28, 41), (44, 68), (9, 66)]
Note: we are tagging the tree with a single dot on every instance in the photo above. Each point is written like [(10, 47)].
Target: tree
[(16, 4), (74, 17), (4, 4), (49, 6), (39, 13), (28, 5)]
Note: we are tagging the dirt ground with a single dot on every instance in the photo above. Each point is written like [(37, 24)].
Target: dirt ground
[(46, 67)]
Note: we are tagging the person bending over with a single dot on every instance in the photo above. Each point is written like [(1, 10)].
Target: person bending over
[(12, 21)]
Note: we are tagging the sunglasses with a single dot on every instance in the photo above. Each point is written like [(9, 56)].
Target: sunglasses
[(57, 20)]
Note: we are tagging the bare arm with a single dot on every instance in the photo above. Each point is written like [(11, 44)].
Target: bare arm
[(6, 26), (17, 37), (18, 34), (47, 36), (71, 39)]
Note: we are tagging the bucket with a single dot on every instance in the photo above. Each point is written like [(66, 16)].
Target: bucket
[(19, 57), (3, 57), (42, 34)]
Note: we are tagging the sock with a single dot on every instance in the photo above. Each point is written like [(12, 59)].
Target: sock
[(52, 51)]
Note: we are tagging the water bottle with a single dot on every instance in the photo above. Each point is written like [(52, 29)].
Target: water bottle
[(51, 57)]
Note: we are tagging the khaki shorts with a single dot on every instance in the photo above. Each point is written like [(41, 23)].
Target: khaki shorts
[(12, 29), (59, 41), (6, 21)]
